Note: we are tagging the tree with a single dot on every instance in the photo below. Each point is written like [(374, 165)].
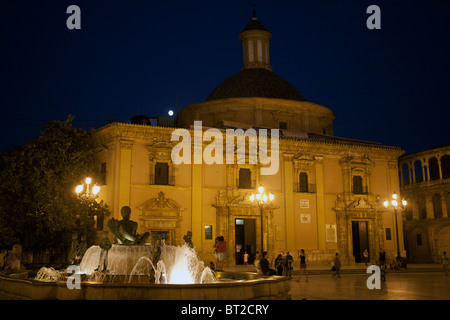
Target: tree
[(38, 205)]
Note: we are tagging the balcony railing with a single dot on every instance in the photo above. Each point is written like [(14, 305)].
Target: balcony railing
[(309, 188)]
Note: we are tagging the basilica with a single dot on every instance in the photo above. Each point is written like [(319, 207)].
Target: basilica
[(328, 191)]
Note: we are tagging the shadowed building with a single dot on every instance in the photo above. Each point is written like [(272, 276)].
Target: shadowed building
[(425, 183), (328, 190)]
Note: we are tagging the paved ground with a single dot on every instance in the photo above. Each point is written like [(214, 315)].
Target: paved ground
[(417, 282)]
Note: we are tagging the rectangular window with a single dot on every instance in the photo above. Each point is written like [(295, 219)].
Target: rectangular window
[(103, 173), (245, 178), (388, 234), (357, 185), (303, 182), (161, 173), (208, 232), (282, 125)]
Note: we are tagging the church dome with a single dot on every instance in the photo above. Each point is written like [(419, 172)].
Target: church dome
[(255, 82)]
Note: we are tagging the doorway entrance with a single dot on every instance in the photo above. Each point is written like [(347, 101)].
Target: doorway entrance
[(360, 240), (245, 240)]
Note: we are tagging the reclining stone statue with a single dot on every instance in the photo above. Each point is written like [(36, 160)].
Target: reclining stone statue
[(125, 230)]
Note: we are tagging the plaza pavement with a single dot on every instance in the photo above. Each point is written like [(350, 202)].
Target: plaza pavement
[(416, 282)]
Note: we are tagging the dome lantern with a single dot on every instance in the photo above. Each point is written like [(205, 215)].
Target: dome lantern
[(255, 44)]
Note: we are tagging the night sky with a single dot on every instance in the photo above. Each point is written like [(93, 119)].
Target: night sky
[(147, 57)]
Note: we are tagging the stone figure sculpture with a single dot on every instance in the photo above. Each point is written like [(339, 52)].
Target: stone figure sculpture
[(188, 239), (82, 247), (125, 230), (74, 249), (105, 245)]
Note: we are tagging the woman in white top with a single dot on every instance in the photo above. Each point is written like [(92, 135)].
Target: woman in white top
[(258, 268)]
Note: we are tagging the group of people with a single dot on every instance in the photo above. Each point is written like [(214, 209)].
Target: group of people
[(283, 262), (9, 262)]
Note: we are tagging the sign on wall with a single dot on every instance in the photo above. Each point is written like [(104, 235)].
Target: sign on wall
[(304, 203), (305, 218), (330, 233)]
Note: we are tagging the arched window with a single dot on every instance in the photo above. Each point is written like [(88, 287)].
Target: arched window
[(437, 205), (445, 166), (434, 168), (418, 172), (405, 173)]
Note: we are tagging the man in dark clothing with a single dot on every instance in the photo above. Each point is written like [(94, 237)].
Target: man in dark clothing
[(265, 266)]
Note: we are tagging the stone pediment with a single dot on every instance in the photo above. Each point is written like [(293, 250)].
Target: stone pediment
[(161, 207), (360, 203)]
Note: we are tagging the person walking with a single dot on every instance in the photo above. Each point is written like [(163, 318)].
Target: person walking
[(302, 258), (445, 263), (337, 265)]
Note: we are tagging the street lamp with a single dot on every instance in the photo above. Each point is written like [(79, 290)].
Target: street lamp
[(396, 205), (87, 193), (261, 199)]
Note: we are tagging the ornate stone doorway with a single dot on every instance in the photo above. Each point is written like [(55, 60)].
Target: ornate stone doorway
[(161, 217), (232, 208), (359, 227)]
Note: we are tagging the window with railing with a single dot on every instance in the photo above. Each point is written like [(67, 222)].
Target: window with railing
[(358, 185)]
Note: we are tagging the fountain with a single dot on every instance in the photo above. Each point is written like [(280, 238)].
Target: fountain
[(134, 270)]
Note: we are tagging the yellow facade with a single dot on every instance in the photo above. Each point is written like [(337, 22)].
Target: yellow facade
[(329, 191), (199, 195)]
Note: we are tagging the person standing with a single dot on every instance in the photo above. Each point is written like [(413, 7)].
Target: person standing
[(288, 266), (245, 258), (258, 263), (445, 263), (279, 264), (383, 257), (337, 265), (2, 259), (302, 258), (221, 253), (366, 257)]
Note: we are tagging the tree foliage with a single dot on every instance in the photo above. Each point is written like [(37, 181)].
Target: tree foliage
[(38, 205)]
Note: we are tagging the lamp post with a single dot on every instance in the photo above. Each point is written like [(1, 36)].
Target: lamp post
[(262, 199), (395, 205), (87, 193)]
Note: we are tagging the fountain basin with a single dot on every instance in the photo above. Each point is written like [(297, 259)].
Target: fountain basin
[(121, 259), (248, 286)]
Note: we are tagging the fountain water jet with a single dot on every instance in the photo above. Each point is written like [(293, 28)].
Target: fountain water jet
[(144, 270)]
